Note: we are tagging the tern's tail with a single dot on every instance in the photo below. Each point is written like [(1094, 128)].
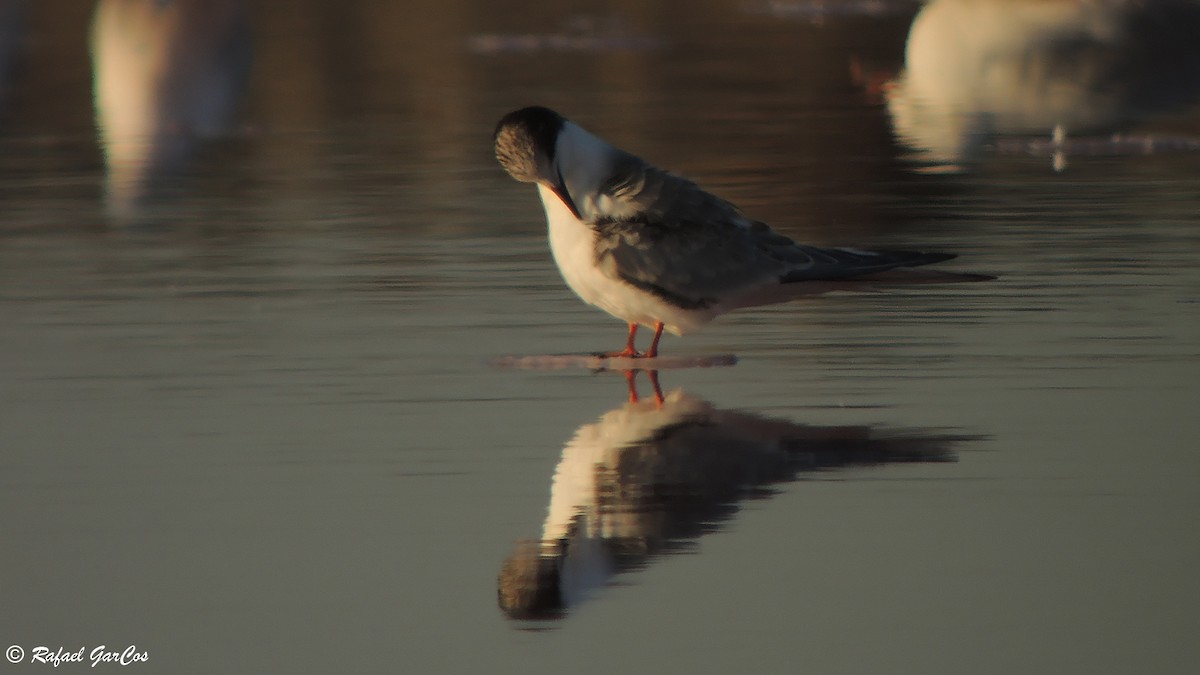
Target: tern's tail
[(837, 269), (846, 264)]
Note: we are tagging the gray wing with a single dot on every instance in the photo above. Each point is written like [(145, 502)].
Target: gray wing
[(693, 248)]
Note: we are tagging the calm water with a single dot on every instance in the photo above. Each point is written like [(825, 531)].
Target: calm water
[(248, 421)]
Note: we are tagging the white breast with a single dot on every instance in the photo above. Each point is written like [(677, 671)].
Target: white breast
[(573, 245)]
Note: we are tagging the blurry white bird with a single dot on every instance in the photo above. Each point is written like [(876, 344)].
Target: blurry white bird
[(652, 248), (975, 70)]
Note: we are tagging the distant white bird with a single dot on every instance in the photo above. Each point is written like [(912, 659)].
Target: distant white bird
[(652, 248), (978, 69)]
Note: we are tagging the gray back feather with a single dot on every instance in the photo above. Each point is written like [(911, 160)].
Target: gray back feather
[(683, 243), (694, 249)]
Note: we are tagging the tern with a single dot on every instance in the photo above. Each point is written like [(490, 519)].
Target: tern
[(652, 248)]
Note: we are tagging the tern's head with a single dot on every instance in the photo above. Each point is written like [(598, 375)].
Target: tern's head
[(537, 145), (526, 144)]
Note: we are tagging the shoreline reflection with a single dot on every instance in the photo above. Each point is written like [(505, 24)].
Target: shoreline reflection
[(650, 477)]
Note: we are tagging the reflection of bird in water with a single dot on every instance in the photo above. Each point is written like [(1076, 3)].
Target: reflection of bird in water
[(647, 478), (655, 250), (168, 73), (978, 68)]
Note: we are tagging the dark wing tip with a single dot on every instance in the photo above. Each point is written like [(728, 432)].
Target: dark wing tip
[(922, 258), (845, 263)]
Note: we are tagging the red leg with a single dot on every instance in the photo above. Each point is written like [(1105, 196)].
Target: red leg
[(653, 351), (629, 351)]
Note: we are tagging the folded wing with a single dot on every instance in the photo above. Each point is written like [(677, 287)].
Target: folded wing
[(696, 250)]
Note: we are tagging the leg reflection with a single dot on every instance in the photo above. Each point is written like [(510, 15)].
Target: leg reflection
[(631, 381)]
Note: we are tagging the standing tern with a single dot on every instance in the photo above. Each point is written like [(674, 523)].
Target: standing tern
[(653, 249)]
